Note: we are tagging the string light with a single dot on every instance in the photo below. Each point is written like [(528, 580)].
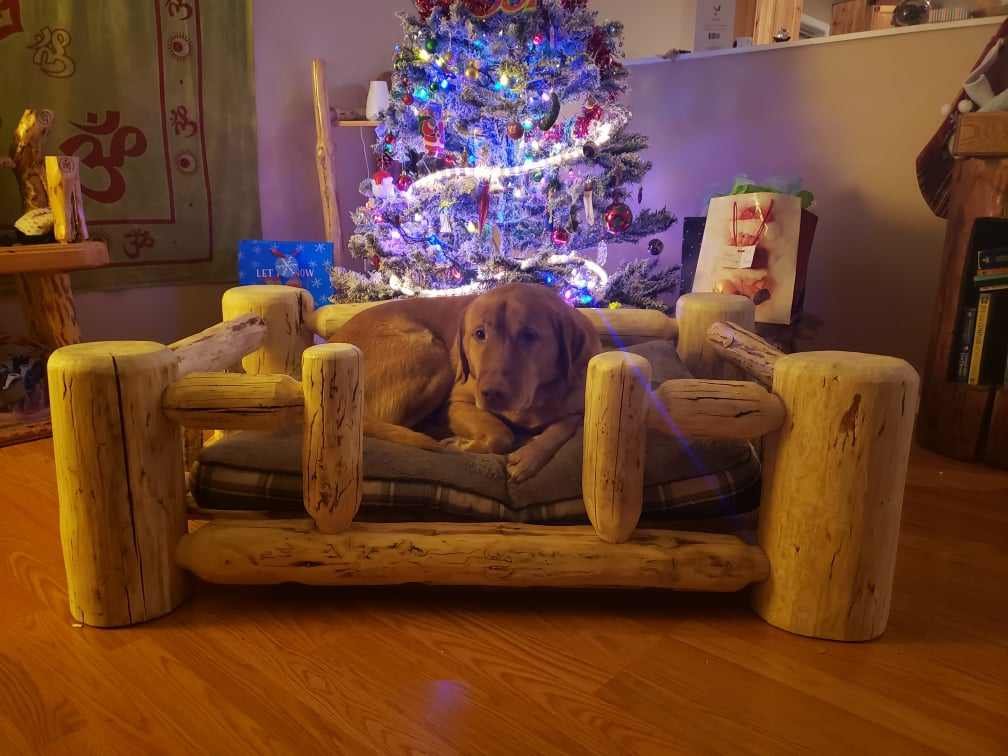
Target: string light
[(600, 134)]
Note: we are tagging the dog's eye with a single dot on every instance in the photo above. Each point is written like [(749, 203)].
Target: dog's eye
[(529, 337), (480, 334)]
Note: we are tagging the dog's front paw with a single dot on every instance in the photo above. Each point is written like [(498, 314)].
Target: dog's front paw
[(526, 462)]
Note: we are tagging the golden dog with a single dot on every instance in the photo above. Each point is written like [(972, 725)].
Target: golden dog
[(493, 368)]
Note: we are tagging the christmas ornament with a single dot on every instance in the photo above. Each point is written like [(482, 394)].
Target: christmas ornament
[(407, 99), (515, 130), (404, 182), (589, 204), (382, 185), (656, 247), (590, 150), (433, 133), (618, 217), (602, 253), (560, 236), (547, 121), (376, 261)]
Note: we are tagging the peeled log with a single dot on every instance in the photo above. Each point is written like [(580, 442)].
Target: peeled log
[(832, 492), (754, 355), (513, 556), (612, 475), (285, 310), (220, 347), (332, 453), (121, 481), (696, 313), (232, 401), (733, 410)]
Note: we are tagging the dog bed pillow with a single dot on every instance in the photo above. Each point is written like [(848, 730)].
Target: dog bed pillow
[(683, 479)]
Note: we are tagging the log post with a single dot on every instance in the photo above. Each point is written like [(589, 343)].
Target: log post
[(63, 183), (285, 311), (612, 475), (333, 448), (121, 481), (833, 491), (695, 313), (49, 309)]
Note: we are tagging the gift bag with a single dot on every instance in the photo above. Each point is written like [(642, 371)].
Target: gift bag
[(758, 245)]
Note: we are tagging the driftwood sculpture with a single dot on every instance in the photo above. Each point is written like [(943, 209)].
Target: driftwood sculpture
[(27, 154)]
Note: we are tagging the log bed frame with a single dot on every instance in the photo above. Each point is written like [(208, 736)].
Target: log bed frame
[(836, 426)]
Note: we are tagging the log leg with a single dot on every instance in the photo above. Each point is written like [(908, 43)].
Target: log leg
[(120, 479), (833, 491), (285, 311), (695, 314), (48, 305), (332, 455), (612, 474)]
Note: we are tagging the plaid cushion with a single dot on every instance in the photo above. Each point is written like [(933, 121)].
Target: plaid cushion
[(684, 479)]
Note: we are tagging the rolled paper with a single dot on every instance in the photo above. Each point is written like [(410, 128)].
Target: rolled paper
[(589, 205)]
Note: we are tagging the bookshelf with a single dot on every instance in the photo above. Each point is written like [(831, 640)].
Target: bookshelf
[(958, 419)]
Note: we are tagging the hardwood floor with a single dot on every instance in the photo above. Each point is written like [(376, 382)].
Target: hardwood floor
[(297, 670)]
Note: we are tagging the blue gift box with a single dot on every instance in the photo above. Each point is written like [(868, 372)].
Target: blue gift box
[(305, 264)]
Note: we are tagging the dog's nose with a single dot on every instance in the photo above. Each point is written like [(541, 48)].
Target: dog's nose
[(493, 397)]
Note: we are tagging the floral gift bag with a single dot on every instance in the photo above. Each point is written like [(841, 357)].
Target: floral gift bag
[(758, 245)]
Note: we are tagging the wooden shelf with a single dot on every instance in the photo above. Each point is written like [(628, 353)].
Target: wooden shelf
[(357, 124), (51, 258), (19, 433)]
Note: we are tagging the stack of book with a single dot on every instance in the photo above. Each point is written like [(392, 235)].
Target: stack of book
[(983, 342)]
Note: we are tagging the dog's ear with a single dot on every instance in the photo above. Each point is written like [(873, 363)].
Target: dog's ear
[(462, 373), (575, 346)]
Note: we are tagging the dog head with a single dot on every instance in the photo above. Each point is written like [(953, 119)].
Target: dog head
[(517, 339)]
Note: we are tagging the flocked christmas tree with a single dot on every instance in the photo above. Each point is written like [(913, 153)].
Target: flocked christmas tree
[(480, 181)]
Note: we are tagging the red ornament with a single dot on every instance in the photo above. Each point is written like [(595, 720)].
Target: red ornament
[(426, 7), (380, 175), (404, 182), (407, 99), (390, 139), (376, 261), (515, 130), (618, 217), (560, 236)]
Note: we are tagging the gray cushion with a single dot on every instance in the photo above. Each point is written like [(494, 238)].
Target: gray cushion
[(682, 477)]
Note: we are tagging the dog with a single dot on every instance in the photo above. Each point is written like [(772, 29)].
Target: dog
[(494, 368)]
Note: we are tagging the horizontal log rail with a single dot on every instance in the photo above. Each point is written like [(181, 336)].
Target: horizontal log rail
[(732, 410), (260, 553), (745, 349), (221, 346), (233, 401), (622, 327)]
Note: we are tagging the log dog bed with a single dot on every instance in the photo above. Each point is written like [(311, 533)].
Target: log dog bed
[(836, 426)]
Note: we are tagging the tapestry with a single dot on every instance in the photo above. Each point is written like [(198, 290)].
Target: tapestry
[(157, 99)]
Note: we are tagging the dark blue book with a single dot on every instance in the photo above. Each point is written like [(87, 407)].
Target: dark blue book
[(304, 264)]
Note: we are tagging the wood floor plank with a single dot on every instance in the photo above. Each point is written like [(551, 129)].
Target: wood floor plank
[(290, 669)]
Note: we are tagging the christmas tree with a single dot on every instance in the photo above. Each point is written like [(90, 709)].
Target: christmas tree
[(480, 179)]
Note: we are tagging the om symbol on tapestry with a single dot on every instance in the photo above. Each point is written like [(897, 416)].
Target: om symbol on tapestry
[(139, 239), (10, 18), (178, 7), (125, 141), (50, 46), (181, 123)]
